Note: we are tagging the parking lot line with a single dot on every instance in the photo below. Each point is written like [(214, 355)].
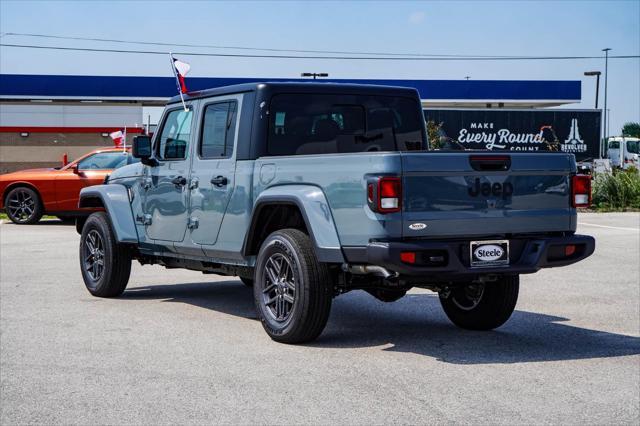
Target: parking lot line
[(609, 227)]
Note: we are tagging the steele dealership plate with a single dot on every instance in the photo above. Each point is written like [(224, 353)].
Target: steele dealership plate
[(489, 253)]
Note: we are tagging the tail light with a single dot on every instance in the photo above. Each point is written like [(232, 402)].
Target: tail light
[(581, 191), (384, 194)]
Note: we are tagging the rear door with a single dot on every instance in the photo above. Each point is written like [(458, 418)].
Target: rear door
[(473, 194), (212, 176)]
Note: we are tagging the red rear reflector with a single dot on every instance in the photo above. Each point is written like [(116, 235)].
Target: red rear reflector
[(408, 256), (569, 250), (370, 193), (581, 191)]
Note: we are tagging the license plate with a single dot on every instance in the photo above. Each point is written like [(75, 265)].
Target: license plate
[(489, 253)]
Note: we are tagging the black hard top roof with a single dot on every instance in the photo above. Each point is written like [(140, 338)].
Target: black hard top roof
[(272, 87)]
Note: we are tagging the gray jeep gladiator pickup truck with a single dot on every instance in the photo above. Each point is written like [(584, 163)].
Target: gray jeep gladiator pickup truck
[(309, 190)]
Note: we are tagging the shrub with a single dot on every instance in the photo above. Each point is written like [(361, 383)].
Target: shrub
[(617, 191), (434, 131)]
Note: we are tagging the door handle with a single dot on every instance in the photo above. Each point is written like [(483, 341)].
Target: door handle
[(179, 181), (219, 181), (146, 183)]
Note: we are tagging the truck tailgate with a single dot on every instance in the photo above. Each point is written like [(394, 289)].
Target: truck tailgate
[(460, 194)]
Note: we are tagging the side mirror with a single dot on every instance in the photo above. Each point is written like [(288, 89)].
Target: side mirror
[(142, 149), (75, 170)]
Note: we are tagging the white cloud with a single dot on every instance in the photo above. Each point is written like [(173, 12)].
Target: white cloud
[(416, 17)]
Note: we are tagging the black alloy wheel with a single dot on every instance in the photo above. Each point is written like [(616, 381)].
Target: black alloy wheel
[(105, 264), (292, 289), (23, 206)]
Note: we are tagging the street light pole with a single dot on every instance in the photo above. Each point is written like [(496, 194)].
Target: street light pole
[(597, 74), (606, 69)]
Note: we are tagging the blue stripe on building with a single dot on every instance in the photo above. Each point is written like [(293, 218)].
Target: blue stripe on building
[(39, 86)]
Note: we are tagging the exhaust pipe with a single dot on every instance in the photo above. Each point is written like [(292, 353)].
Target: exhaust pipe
[(375, 270)]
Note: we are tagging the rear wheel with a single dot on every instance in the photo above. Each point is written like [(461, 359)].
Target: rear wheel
[(482, 306), (23, 206), (292, 292), (387, 295), (105, 264)]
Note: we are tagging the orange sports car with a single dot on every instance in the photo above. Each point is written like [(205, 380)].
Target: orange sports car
[(28, 194)]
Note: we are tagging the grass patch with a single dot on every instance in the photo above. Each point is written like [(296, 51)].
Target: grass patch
[(619, 191), (4, 217)]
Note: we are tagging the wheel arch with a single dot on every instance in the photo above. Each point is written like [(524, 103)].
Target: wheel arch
[(303, 207), (22, 184), (114, 198)]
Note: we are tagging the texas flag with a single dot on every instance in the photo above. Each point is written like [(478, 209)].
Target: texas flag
[(180, 69), (119, 138)]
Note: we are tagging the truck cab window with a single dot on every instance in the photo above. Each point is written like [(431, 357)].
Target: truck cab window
[(218, 130), (324, 124), (175, 135)]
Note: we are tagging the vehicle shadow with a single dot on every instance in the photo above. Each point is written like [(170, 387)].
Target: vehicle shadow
[(42, 222), (55, 222), (416, 324)]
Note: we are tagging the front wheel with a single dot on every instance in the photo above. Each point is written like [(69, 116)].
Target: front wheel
[(292, 289), (482, 306), (105, 264), (23, 206)]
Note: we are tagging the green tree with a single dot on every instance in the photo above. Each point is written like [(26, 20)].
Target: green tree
[(433, 132), (631, 129)]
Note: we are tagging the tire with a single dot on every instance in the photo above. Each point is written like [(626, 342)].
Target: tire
[(482, 306), (247, 281), (387, 295), (296, 308), (98, 243), (23, 206)]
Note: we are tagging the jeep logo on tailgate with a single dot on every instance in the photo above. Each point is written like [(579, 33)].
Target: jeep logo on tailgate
[(486, 189)]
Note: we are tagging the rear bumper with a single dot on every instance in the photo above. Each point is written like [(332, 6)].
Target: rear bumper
[(526, 256)]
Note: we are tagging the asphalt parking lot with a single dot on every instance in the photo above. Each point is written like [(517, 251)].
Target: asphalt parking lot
[(182, 347)]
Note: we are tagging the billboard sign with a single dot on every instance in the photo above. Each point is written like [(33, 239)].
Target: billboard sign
[(576, 132)]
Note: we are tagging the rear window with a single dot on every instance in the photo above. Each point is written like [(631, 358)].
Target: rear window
[(302, 124)]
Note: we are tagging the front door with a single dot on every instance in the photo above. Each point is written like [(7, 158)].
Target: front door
[(213, 168), (166, 197)]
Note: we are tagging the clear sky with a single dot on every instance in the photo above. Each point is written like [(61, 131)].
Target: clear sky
[(574, 28)]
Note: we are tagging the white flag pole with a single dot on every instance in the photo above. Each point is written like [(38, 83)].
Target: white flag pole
[(175, 74)]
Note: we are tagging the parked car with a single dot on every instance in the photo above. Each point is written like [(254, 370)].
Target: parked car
[(624, 151), (29, 194), (310, 190)]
